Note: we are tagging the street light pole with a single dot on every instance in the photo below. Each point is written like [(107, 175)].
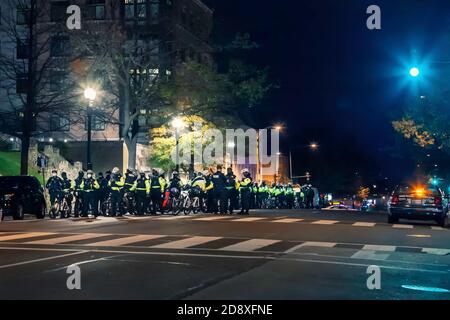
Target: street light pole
[(177, 138), (89, 138), (90, 95)]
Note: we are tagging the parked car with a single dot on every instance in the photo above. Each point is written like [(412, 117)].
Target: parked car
[(20, 195), (422, 202)]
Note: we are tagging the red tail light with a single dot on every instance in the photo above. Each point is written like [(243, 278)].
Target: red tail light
[(437, 201), (394, 199)]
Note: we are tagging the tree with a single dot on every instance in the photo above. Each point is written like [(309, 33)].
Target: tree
[(28, 73), (163, 141), (363, 193)]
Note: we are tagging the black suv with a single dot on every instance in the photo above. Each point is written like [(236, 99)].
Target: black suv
[(20, 195), (422, 201)]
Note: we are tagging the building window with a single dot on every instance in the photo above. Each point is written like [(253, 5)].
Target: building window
[(23, 15), (22, 49), (96, 9), (22, 84), (60, 47), (58, 10), (97, 124), (59, 123), (154, 11), (135, 9)]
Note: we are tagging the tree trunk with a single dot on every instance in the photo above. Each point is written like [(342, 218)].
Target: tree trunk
[(24, 155), (131, 146)]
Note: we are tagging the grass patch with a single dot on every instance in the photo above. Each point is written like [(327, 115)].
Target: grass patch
[(10, 165)]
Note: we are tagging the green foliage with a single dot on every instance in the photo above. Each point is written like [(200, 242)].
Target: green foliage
[(10, 165), (163, 141)]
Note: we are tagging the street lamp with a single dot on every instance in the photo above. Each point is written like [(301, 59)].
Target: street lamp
[(177, 124), (414, 72), (89, 94)]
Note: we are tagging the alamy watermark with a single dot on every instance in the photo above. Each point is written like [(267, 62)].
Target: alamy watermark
[(213, 146)]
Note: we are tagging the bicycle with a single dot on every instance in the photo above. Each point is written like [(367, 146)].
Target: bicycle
[(55, 209)]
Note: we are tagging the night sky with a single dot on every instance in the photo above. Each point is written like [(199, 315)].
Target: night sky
[(341, 84)]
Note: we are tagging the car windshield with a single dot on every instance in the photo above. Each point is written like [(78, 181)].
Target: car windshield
[(10, 183)]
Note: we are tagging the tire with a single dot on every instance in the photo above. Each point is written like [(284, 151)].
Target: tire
[(42, 211), (19, 213), (443, 221), (392, 219)]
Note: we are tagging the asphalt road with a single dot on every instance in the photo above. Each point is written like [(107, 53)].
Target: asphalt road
[(284, 254)]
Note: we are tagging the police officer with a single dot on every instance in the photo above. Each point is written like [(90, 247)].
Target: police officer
[(261, 195), (89, 187), (290, 196), (245, 187), (115, 185), (157, 187), (102, 193), (209, 190), (54, 186), (78, 194), (232, 187), (175, 182), (68, 186), (254, 193), (310, 197), (142, 188), (219, 191)]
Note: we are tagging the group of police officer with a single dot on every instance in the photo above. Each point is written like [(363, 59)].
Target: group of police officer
[(141, 194)]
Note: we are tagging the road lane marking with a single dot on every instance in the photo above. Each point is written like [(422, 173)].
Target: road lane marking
[(325, 222), (64, 239), (210, 218), (373, 247), (439, 252), (364, 224), (42, 259), (369, 255), (288, 220), (186, 243), (125, 240), (250, 245), (249, 219), (312, 244), (25, 236), (419, 235), (438, 228), (403, 226)]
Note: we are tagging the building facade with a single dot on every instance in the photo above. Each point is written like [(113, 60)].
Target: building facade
[(173, 32)]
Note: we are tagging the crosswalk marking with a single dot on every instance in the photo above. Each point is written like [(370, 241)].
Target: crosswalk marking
[(250, 245), (440, 252), (364, 224), (287, 220), (125, 240), (372, 247), (25, 235), (326, 222), (438, 228), (369, 255), (403, 226), (186, 243), (64, 239), (210, 218), (249, 219)]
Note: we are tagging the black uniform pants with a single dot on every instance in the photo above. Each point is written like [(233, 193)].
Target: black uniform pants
[(231, 199), (245, 199), (157, 200), (116, 202), (141, 202), (89, 202), (290, 201), (220, 196)]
